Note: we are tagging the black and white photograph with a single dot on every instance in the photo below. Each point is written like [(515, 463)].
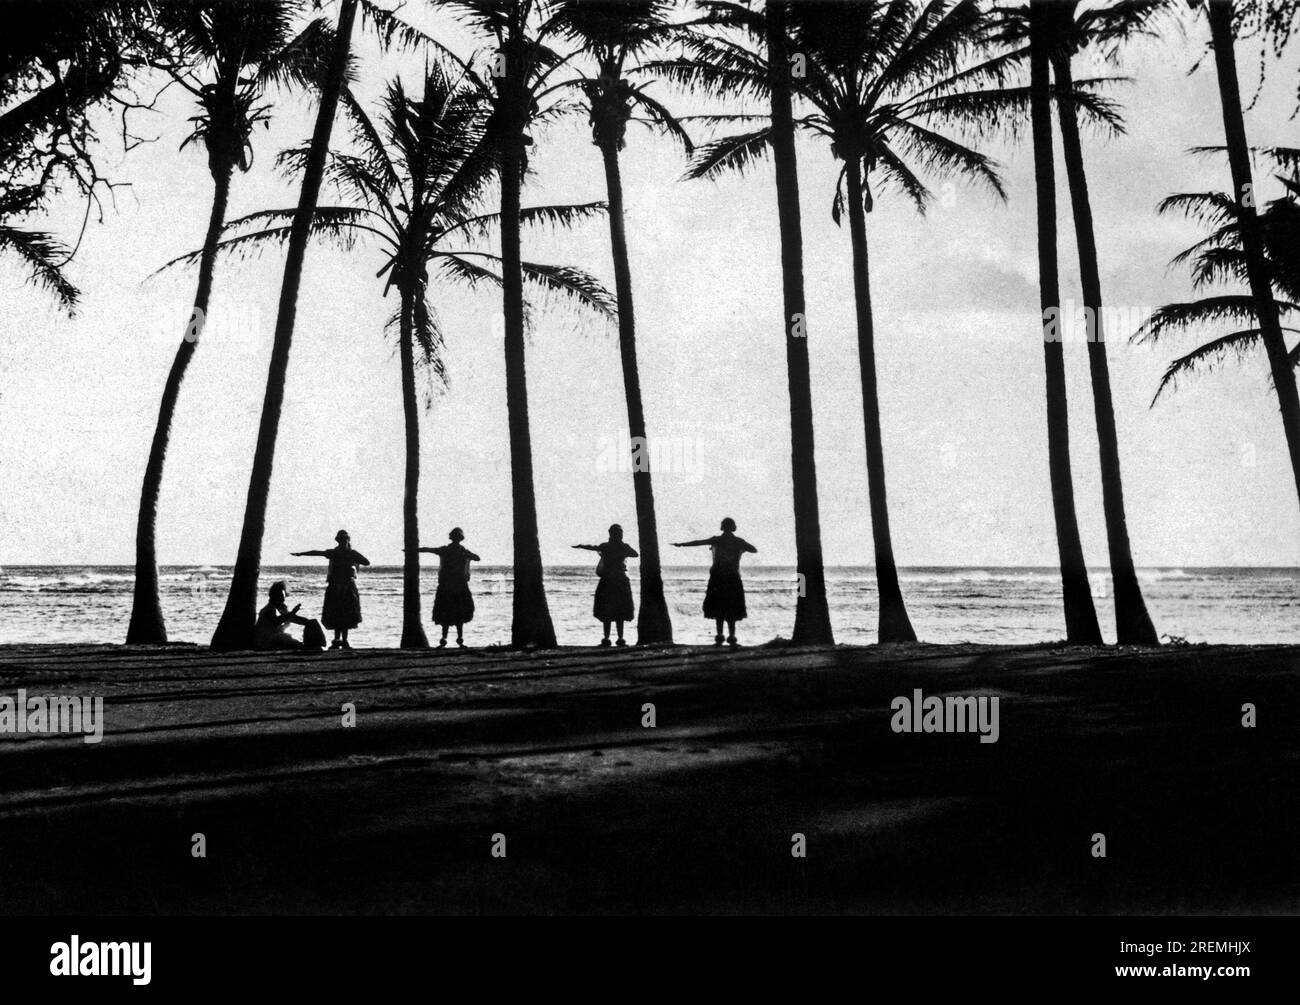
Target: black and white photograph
[(675, 458)]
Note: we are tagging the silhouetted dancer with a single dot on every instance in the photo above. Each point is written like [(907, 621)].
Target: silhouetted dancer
[(269, 633), (453, 604), (613, 591), (342, 611), (724, 600)]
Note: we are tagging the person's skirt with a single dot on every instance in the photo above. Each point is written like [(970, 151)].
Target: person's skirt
[(725, 597), (453, 605), (342, 607), (613, 599)]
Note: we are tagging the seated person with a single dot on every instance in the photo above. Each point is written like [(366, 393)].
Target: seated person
[(270, 634)]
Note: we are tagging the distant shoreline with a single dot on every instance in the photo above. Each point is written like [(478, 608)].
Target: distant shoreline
[(756, 566)]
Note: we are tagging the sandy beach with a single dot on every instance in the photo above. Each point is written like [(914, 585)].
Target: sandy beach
[(602, 814)]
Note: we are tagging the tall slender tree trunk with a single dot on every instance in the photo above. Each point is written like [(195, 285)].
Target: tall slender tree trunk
[(812, 623), (147, 624), (653, 626), (235, 629), (531, 625), (1080, 616), (895, 626), (1132, 622), (413, 636), (1261, 287)]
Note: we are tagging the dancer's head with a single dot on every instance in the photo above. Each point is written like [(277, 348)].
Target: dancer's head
[(615, 532), (456, 534), (728, 525), (278, 592), (342, 538)]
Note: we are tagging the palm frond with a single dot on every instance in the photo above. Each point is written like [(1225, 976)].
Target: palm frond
[(1206, 357), (1213, 208), (901, 177), (946, 157), (44, 255), (730, 153), (304, 60), (1186, 316), (572, 284), (336, 224), (562, 216)]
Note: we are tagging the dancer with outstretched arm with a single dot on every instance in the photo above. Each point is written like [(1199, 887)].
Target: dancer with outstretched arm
[(453, 604), (342, 611), (724, 600), (613, 590)]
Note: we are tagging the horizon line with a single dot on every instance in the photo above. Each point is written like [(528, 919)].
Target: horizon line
[(665, 565)]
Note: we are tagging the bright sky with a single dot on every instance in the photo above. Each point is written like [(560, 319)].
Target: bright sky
[(959, 354)]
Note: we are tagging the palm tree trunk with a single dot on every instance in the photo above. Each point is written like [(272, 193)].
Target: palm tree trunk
[(235, 629), (413, 636), (812, 623), (531, 625), (1261, 287), (1132, 622), (895, 625), (653, 626), (147, 624), (1080, 616)]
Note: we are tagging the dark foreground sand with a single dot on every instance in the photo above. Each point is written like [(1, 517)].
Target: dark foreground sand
[(600, 814)]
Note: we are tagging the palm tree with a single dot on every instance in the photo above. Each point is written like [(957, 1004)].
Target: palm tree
[(876, 76), (877, 79), (1219, 258), (226, 54), (1070, 29), (235, 629), (724, 66), (614, 33), (519, 86), (1252, 240), (812, 622), (422, 171), (1080, 615)]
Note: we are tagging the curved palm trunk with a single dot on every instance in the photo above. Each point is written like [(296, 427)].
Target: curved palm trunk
[(1080, 616), (1132, 622), (653, 626), (812, 623), (147, 624), (531, 625), (1261, 287), (895, 625), (235, 629), (413, 636)]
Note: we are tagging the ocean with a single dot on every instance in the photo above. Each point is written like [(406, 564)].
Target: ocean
[(947, 605)]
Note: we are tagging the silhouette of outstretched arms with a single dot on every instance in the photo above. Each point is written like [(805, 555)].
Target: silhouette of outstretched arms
[(471, 556), (745, 545), (588, 547), (310, 554), (359, 558), (693, 544)]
